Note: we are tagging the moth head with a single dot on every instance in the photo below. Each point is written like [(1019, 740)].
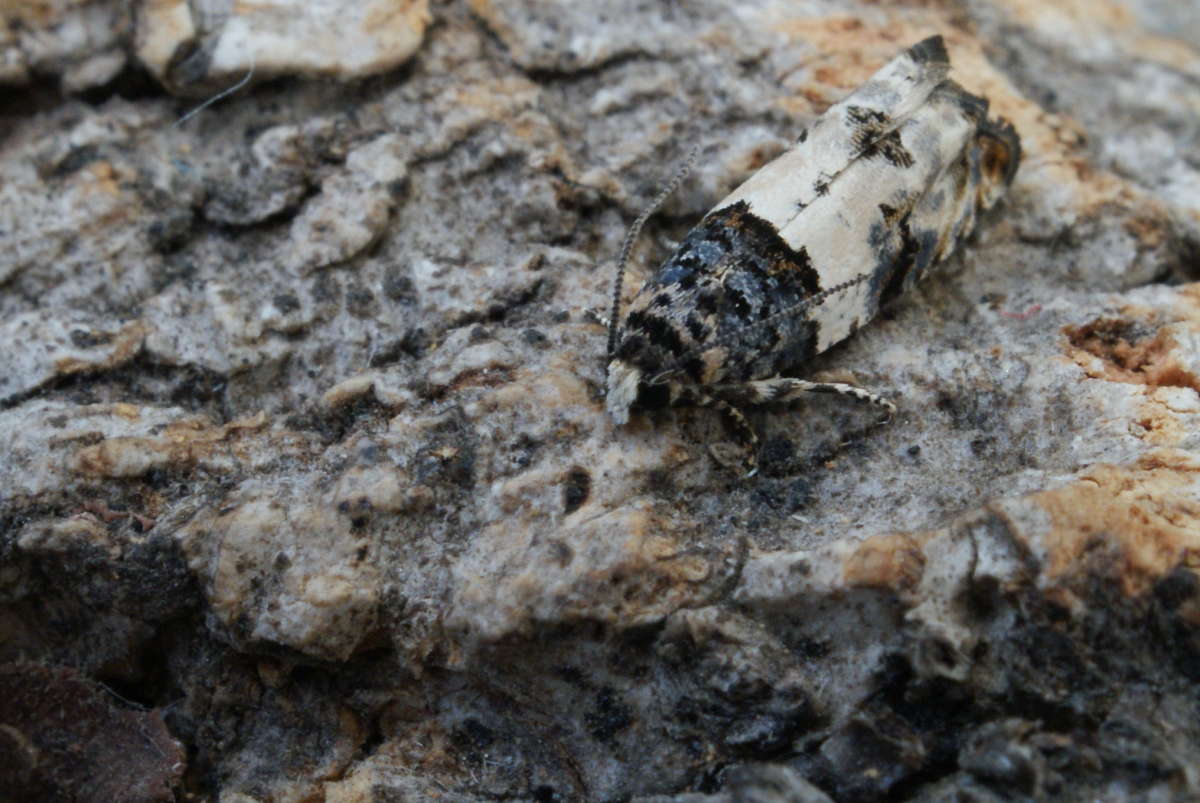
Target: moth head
[(629, 387)]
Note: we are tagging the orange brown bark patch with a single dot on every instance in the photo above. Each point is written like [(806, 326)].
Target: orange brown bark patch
[(1129, 353), (1132, 525), (893, 562)]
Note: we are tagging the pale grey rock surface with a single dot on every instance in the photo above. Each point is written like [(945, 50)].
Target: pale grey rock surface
[(307, 450), (79, 41), (193, 45)]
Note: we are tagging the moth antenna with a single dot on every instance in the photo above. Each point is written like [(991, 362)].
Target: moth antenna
[(614, 320), (815, 300), (224, 93)]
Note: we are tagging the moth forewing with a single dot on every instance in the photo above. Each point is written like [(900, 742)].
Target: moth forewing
[(785, 187)]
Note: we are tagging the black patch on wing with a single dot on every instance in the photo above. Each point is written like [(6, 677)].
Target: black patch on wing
[(905, 255), (974, 107), (892, 149), (873, 136), (738, 300), (931, 50), (658, 331), (708, 300), (891, 214), (905, 260), (757, 247)]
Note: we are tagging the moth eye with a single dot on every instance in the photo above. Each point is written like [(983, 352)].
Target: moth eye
[(653, 397)]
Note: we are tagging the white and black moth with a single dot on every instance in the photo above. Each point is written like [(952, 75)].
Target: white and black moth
[(880, 188)]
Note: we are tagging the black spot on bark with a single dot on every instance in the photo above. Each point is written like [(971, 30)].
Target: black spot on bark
[(86, 339), (286, 302), (576, 488), (608, 716)]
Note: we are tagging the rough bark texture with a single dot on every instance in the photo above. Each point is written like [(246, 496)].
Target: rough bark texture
[(307, 459)]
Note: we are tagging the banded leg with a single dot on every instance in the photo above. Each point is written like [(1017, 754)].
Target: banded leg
[(782, 390), (596, 316), (694, 396)]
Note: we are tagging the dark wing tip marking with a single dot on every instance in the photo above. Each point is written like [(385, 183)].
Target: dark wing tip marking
[(975, 107), (930, 51)]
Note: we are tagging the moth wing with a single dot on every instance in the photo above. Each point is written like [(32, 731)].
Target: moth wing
[(968, 186), (784, 188), (858, 224), (899, 88), (905, 206)]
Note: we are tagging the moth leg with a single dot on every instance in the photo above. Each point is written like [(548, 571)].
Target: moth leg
[(694, 396), (596, 316), (782, 390)]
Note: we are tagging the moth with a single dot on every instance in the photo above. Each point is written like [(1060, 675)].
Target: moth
[(879, 189)]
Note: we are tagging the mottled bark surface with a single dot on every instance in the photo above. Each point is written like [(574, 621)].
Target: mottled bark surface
[(309, 492)]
